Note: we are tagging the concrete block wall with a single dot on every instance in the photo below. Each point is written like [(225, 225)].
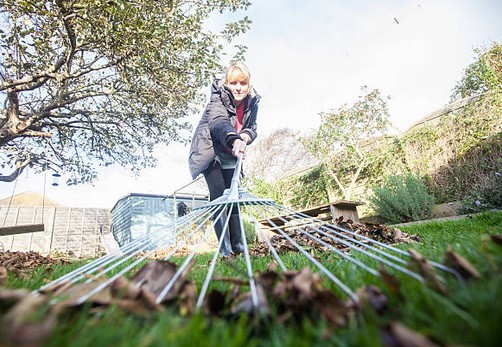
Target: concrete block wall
[(68, 230)]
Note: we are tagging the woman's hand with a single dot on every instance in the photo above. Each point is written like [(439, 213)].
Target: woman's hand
[(239, 148), (246, 138)]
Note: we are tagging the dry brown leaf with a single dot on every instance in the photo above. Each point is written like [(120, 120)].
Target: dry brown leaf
[(3, 274), (143, 304), (398, 234), (247, 305), (497, 239), (459, 263), (332, 309), (373, 296), (423, 267), (215, 302), (30, 334), (267, 280), (303, 282), (148, 297), (13, 294), (155, 275), (24, 309), (272, 266), (391, 282), (72, 295), (18, 326), (124, 289), (187, 298), (397, 334)]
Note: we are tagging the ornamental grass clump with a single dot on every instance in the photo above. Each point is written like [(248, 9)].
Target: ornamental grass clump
[(402, 199)]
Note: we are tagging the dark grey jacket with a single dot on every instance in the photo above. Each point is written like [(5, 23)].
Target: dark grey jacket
[(216, 127)]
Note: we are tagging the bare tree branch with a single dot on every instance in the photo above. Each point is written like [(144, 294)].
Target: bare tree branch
[(19, 169)]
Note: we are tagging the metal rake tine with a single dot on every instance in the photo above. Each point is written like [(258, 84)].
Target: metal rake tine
[(205, 285), (321, 267), (269, 245), (173, 279), (334, 249), (384, 245), (355, 261), (77, 274), (252, 283), (159, 235), (180, 270), (120, 261), (351, 245), (137, 248), (103, 285), (205, 217)]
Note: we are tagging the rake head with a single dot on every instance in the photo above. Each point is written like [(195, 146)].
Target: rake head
[(294, 230)]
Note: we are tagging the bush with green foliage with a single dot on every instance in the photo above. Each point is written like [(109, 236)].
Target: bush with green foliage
[(484, 75), (486, 195), (250, 232), (402, 199), (457, 147)]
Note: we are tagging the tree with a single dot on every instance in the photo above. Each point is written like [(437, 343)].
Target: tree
[(484, 75), (89, 83), (277, 155), (341, 140)]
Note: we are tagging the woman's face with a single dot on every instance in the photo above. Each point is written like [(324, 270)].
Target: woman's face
[(239, 89)]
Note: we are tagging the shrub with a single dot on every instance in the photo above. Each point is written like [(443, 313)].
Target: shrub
[(402, 199), (250, 232), (486, 195)]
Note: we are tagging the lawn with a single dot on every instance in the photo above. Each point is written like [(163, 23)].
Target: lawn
[(469, 314)]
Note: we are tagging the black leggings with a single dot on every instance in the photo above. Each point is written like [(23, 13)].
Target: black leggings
[(218, 180)]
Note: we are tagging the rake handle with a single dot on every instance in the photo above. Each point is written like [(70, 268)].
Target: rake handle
[(233, 192)]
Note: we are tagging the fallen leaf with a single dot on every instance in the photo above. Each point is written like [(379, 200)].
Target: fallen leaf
[(267, 280), (398, 335), (30, 334), (24, 309), (391, 282), (18, 326), (459, 263), (332, 309), (13, 294), (215, 302), (3, 274), (497, 239), (373, 296), (155, 275), (303, 281), (124, 289), (72, 295), (272, 266), (187, 298), (247, 303), (398, 234), (425, 269)]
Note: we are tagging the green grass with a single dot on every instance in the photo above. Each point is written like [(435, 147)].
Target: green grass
[(469, 315)]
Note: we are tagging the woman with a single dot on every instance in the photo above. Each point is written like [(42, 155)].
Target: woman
[(227, 126)]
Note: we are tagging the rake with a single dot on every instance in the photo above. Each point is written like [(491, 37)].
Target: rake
[(197, 226)]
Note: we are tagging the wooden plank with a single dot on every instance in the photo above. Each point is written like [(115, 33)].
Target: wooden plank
[(21, 229), (345, 208)]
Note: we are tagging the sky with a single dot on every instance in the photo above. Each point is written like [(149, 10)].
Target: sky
[(308, 57)]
